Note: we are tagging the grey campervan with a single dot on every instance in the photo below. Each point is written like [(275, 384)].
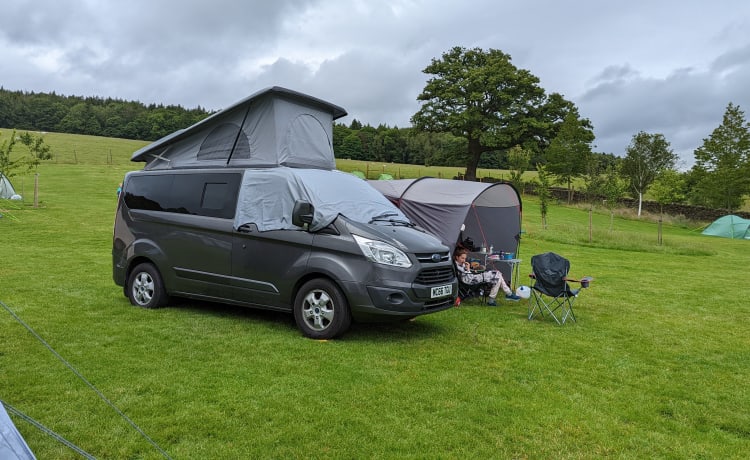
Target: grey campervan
[(213, 215)]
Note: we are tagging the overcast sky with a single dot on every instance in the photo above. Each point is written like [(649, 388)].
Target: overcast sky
[(668, 67)]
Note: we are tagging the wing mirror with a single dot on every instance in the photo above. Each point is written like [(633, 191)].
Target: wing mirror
[(302, 214)]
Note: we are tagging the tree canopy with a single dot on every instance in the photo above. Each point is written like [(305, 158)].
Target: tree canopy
[(93, 116), (569, 153), (723, 163), (645, 158), (482, 97)]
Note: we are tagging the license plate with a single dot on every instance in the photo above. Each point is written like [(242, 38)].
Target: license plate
[(441, 291)]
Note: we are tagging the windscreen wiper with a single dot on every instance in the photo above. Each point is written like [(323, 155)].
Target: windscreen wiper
[(386, 217), (383, 216)]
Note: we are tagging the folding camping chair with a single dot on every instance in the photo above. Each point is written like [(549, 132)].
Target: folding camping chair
[(468, 290), (551, 292)]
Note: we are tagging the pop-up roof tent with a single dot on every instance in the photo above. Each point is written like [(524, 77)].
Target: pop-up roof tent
[(284, 138), (729, 226), (273, 127), (490, 212)]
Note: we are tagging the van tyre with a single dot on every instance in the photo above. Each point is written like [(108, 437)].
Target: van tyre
[(145, 287), (321, 310)]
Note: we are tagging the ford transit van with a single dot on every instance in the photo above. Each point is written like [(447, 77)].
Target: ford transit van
[(200, 222)]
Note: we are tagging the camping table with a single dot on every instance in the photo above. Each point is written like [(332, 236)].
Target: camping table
[(514, 263)]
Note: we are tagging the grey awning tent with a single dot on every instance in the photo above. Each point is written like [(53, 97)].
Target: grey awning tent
[(490, 212), (273, 127)]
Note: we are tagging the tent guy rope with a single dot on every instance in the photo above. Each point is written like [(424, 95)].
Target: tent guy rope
[(80, 376)]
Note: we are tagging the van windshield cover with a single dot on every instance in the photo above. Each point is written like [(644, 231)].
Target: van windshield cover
[(267, 198)]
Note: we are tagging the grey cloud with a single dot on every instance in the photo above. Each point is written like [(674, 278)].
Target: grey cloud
[(674, 75), (686, 106)]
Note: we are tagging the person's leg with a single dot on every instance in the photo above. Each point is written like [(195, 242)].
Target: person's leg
[(509, 294), (504, 286), (496, 278), (494, 290)]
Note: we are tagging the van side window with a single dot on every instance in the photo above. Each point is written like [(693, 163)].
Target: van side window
[(214, 195), (150, 193), (202, 194)]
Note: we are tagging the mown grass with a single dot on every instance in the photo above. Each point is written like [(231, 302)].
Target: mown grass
[(656, 367)]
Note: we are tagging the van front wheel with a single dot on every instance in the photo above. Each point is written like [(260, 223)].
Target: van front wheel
[(145, 287), (321, 310)]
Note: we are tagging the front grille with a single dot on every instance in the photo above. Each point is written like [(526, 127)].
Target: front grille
[(438, 304), (426, 257), (440, 275)]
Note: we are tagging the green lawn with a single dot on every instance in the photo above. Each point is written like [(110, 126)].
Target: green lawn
[(656, 367)]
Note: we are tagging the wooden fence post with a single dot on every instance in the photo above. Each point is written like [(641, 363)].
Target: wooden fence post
[(36, 190)]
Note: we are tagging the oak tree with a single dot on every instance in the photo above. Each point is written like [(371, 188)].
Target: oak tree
[(482, 97)]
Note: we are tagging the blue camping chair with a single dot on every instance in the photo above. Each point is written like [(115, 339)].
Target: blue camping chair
[(551, 294)]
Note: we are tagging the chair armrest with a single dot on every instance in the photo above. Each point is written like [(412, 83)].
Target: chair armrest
[(584, 281)]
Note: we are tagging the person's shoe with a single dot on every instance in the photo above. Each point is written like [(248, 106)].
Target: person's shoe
[(491, 303), (512, 297)]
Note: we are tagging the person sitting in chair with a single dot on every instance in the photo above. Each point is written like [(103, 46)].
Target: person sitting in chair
[(494, 277)]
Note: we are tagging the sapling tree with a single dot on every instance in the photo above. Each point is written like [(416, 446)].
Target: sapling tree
[(646, 157), (519, 161), (7, 164), (543, 192), (569, 153), (38, 150), (667, 188), (613, 188)]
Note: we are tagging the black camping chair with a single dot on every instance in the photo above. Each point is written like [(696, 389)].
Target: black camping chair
[(469, 290), (480, 289), (551, 292)]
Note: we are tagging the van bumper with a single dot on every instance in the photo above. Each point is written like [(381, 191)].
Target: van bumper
[(372, 302)]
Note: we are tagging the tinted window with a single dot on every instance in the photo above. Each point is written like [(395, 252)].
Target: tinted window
[(148, 192), (203, 194)]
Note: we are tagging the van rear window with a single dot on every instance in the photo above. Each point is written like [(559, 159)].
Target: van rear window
[(202, 194)]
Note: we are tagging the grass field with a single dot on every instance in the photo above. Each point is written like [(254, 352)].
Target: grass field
[(656, 367)]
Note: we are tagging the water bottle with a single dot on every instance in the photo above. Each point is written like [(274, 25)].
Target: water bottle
[(491, 249)]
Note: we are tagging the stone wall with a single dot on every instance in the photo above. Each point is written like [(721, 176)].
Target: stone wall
[(698, 213)]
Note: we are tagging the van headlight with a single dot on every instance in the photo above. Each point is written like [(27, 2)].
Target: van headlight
[(382, 253)]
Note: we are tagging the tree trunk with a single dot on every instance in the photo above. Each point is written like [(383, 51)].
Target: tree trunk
[(472, 161), (658, 236), (640, 203), (570, 190), (661, 213)]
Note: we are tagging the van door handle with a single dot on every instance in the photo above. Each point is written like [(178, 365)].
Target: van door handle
[(245, 228)]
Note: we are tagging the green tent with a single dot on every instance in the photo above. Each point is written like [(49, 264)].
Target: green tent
[(385, 176), (359, 174), (729, 226)]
